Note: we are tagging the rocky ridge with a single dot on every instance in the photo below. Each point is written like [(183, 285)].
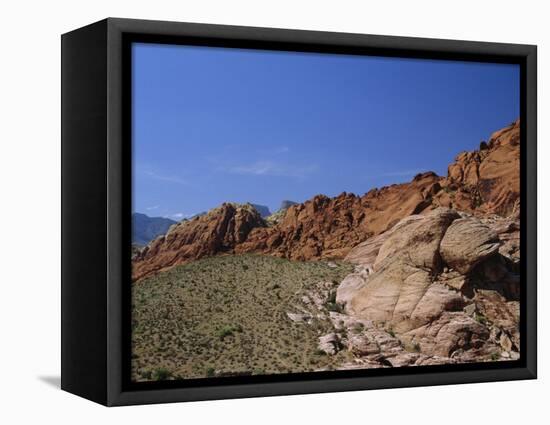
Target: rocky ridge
[(216, 232), (484, 183)]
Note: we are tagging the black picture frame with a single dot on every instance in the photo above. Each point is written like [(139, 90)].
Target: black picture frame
[(96, 208)]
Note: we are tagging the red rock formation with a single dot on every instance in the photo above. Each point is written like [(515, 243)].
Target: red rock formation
[(486, 180), (217, 232), (328, 228), (480, 182)]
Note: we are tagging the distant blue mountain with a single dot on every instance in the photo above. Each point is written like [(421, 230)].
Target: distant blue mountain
[(145, 228), (262, 209), (286, 204)]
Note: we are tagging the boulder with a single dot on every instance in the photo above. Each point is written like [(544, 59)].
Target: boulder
[(329, 343), (417, 239), (299, 317), (450, 332), (466, 243), (403, 276), (440, 285), (348, 287)]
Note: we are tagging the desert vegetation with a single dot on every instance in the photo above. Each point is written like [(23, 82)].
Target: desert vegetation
[(231, 315)]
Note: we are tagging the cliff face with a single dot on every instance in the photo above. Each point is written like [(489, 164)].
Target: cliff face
[(487, 180), (482, 182)]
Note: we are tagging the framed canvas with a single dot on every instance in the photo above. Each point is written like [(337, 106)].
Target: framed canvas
[(253, 212)]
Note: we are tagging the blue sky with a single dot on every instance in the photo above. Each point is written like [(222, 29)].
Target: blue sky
[(213, 124)]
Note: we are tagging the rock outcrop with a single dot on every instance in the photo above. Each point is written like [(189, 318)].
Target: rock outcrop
[(216, 232), (488, 179), (439, 283), (328, 227), (468, 242)]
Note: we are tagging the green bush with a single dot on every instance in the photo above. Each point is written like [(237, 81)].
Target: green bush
[(336, 307), (229, 330), (357, 327), (161, 374), (479, 318)]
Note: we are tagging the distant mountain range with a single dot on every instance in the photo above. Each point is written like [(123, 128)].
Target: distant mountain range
[(145, 228), (265, 212), (286, 204), (262, 209)]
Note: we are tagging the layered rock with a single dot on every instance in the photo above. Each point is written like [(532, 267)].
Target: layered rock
[(439, 282)]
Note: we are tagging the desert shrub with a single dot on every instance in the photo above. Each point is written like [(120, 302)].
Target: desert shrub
[(479, 318), (229, 330), (161, 374), (357, 327), (333, 306), (145, 374)]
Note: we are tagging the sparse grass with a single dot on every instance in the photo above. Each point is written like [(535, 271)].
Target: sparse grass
[(226, 315)]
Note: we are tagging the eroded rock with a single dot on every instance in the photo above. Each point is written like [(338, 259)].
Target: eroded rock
[(441, 286), (329, 343), (466, 243)]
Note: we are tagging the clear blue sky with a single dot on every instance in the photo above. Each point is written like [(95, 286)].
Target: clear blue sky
[(213, 124)]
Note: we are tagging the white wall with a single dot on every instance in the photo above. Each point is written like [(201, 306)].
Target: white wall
[(30, 211)]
